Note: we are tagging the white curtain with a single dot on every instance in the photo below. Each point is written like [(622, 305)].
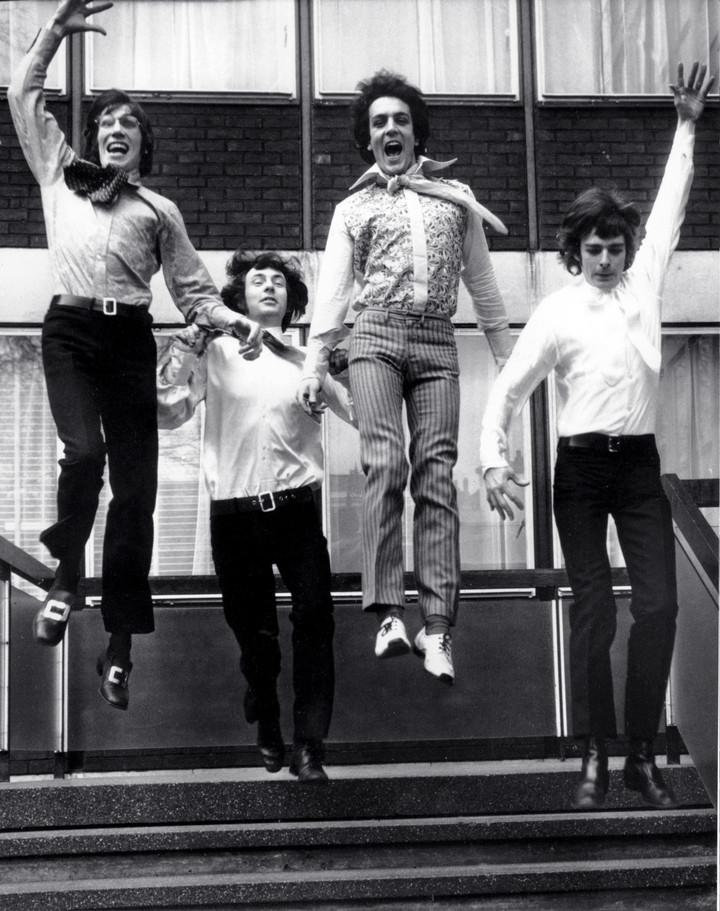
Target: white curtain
[(196, 46), (447, 47), (20, 21), (622, 47)]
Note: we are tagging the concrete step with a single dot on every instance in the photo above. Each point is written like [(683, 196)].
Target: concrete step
[(317, 833), (213, 839), (213, 879), (355, 792)]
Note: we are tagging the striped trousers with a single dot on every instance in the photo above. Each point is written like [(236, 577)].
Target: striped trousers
[(398, 357)]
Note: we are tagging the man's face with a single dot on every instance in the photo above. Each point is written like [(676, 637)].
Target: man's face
[(392, 139), (602, 260), (266, 296), (119, 138)]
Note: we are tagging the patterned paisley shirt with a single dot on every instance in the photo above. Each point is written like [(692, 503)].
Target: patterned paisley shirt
[(371, 248)]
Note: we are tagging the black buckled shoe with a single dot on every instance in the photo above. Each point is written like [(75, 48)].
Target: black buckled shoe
[(642, 774), (114, 684), (271, 746), (52, 619), (306, 763), (592, 785)]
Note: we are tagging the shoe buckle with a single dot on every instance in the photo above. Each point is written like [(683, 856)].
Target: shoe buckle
[(56, 610), (116, 675), (109, 306), (262, 500)]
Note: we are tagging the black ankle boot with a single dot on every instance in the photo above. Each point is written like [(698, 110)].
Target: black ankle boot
[(592, 785), (641, 774)]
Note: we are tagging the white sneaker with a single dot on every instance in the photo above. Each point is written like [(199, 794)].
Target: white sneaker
[(437, 652), (391, 639)]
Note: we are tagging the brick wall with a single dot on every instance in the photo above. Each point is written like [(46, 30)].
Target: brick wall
[(624, 147), (235, 170)]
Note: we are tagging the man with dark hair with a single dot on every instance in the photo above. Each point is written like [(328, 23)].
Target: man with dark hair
[(406, 236), (601, 335), (107, 236), (263, 466)]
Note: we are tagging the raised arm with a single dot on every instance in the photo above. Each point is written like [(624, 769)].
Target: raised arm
[(43, 142)]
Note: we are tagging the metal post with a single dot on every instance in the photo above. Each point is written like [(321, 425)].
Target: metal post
[(5, 589)]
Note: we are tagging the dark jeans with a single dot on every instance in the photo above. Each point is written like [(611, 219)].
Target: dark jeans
[(100, 376), (590, 486), (245, 547)]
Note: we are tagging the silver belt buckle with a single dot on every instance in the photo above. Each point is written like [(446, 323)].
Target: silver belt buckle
[(269, 508), (614, 444), (109, 306)]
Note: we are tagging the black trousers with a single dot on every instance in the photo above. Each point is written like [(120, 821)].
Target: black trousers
[(245, 546), (100, 376), (589, 486)]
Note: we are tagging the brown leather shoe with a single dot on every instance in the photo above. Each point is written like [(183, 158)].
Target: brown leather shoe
[(114, 684), (306, 763), (642, 774), (592, 785)]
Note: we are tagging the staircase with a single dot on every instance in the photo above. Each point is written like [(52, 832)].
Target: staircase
[(403, 837)]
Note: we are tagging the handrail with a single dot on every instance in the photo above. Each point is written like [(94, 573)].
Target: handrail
[(350, 583), (25, 566), (692, 524)]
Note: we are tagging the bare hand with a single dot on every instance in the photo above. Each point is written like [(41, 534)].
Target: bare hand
[(71, 16), (250, 335), (308, 395), (690, 99), (499, 492)]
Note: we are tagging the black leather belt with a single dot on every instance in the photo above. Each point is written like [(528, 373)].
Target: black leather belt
[(601, 442), (262, 502), (107, 305)]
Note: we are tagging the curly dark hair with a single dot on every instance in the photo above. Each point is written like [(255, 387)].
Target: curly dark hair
[(605, 212), (108, 101), (385, 84), (240, 263)]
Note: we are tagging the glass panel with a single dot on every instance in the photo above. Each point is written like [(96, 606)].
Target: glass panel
[(446, 47), (195, 46), (20, 21), (485, 541), (28, 449), (622, 47)]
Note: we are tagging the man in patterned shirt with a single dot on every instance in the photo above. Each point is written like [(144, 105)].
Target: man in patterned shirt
[(405, 237)]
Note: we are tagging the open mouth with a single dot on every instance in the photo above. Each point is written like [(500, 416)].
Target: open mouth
[(393, 149), (118, 148)]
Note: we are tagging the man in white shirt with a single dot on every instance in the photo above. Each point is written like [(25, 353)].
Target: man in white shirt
[(406, 237), (263, 465), (601, 335)]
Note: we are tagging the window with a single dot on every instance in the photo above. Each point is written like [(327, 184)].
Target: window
[(622, 47), (20, 21), (445, 47), (485, 541), (217, 46)]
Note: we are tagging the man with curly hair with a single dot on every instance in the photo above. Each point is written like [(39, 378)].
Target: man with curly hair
[(601, 336), (107, 236), (263, 466), (406, 237)]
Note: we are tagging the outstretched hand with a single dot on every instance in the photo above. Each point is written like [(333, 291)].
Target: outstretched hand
[(499, 492), (690, 98), (71, 16)]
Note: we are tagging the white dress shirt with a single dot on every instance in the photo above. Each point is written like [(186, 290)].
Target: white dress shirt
[(257, 438), (589, 336)]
